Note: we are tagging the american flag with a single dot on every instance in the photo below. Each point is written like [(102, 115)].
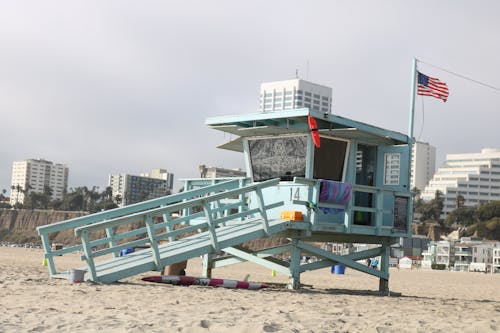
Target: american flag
[(429, 86)]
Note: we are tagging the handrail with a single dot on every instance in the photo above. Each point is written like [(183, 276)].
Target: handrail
[(174, 207), (46, 230), (140, 206)]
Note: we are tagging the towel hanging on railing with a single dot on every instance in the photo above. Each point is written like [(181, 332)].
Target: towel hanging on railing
[(333, 192)]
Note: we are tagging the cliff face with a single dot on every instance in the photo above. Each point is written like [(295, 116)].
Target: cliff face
[(19, 226)]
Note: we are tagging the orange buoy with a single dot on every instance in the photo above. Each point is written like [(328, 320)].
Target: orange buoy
[(314, 130)]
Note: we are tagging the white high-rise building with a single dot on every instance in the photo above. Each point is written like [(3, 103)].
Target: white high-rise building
[(475, 177), (295, 94), (423, 165), (34, 175)]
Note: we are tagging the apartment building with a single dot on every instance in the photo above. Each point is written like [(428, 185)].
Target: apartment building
[(496, 260), (464, 255), (147, 186), (34, 175), (161, 174), (295, 94), (475, 177), (441, 252)]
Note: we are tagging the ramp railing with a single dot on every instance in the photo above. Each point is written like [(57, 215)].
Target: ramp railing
[(149, 227), (49, 232)]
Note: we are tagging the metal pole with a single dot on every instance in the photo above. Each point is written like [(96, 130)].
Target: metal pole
[(410, 137), (412, 100)]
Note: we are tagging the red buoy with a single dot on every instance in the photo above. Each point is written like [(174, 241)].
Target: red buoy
[(314, 130)]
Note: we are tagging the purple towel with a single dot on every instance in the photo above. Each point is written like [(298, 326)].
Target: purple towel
[(333, 192)]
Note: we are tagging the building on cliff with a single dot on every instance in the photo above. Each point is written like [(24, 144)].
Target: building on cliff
[(474, 178), (218, 172), (35, 175), (147, 186)]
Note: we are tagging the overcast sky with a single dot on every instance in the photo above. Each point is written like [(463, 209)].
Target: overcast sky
[(125, 86)]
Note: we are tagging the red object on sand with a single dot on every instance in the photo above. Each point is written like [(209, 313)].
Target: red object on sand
[(314, 130), (191, 280)]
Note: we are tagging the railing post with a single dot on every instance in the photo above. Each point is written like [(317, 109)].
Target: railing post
[(220, 213), (262, 209), (379, 215), (152, 240), (112, 243), (241, 197), (211, 226), (349, 213), (168, 223), (315, 199), (87, 250)]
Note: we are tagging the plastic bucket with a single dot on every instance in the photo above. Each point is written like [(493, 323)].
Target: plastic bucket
[(126, 251), (339, 269), (76, 275)]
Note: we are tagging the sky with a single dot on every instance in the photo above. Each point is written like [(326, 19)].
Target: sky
[(126, 86)]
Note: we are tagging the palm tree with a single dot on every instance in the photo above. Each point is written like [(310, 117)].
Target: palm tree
[(118, 199), (18, 188)]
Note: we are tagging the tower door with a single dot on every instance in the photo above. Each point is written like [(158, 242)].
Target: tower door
[(393, 174)]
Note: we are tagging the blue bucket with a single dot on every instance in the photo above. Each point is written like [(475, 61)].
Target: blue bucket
[(338, 269), (126, 251)]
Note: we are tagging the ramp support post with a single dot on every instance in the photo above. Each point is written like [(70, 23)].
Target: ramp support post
[(208, 264), (294, 265), (48, 249)]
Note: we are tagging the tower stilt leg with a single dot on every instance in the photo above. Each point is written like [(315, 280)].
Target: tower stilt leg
[(383, 286), (294, 266)]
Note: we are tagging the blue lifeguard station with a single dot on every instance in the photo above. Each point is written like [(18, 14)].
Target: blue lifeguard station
[(351, 188)]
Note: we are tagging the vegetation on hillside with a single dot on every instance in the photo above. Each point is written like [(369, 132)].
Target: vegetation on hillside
[(481, 221)]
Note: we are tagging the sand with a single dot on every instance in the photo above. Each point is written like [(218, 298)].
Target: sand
[(422, 301)]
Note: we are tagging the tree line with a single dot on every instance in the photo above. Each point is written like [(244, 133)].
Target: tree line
[(76, 199)]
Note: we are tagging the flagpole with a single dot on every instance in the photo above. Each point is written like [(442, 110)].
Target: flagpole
[(410, 138), (412, 101)]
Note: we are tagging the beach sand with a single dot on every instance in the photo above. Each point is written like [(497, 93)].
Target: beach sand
[(421, 301)]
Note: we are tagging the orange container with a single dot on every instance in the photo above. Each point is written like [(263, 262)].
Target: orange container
[(291, 215)]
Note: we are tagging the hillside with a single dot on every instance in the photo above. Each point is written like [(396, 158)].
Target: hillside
[(19, 226)]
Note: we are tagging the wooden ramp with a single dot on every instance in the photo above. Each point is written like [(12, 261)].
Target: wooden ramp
[(190, 247)]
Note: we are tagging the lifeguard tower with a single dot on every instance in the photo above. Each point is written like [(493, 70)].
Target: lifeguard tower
[(352, 187)]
